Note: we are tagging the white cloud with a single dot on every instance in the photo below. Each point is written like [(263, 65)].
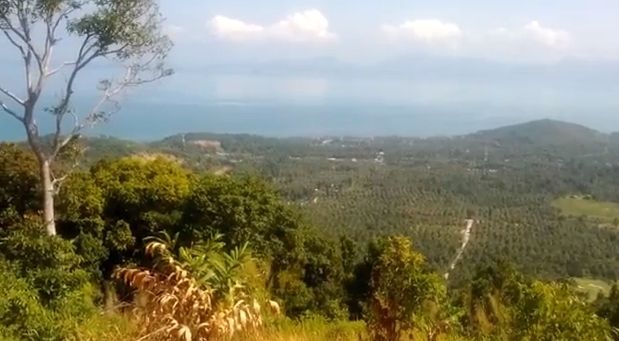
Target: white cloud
[(233, 29), (532, 40), (548, 36), (431, 31), (308, 26), (536, 33)]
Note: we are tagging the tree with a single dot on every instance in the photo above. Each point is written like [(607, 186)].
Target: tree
[(399, 289), (553, 311), (135, 198), (18, 183), (241, 208), (126, 32), (493, 289), (608, 308)]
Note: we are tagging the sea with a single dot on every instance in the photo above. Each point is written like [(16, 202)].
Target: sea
[(321, 107)]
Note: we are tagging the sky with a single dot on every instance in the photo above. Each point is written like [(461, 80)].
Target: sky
[(364, 31), (385, 36)]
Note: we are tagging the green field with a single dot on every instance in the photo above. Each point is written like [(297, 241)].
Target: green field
[(592, 287), (576, 206)]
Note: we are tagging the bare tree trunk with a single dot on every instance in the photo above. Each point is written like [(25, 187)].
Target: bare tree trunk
[(48, 197)]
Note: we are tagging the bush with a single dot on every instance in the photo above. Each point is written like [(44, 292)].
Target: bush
[(43, 291)]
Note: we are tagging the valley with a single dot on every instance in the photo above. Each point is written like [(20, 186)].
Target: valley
[(514, 182)]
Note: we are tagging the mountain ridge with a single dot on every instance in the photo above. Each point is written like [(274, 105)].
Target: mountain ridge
[(544, 131), (541, 126)]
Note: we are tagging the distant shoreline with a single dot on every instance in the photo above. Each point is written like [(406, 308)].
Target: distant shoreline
[(150, 121), (506, 127)]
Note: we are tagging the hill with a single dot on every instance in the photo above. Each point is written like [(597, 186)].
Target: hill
[(537, 132), (536, 140), (543, 132)]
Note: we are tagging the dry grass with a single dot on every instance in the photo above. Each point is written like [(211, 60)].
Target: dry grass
[(124, 328), (310, 329), (172, 305), (222, 170), (155, 156)]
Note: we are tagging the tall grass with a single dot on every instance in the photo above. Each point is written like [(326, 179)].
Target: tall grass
[(123, 327), (173, 305)]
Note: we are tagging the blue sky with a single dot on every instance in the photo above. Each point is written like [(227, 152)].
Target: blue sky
[(364, 31)]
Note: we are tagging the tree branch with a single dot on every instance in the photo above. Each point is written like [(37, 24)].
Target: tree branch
[(80, 62), (25, 53), (50, 38), (7, 109), (56, 70), (83, 59), (95, 114), (52, 22), (15, 43), (11, 112), (24, 34), (12, 96), (57, 181)]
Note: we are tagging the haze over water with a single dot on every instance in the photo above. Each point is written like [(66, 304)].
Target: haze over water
[(283, 105)]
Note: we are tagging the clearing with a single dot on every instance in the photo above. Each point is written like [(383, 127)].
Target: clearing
[(576, 206), (592, 287), (154, 156), (222, 170)]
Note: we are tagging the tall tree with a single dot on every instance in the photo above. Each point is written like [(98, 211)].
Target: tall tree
[(126, 32)]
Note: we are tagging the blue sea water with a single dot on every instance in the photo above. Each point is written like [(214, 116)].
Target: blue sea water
[(310, 107), (151, 121)]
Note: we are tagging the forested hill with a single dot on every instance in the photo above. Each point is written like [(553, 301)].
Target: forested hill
[(543, 132), (536, 139)]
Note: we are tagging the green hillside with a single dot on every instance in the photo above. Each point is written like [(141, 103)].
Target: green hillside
[(544, 132)]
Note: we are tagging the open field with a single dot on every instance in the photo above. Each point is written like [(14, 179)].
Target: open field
[(575, 206), (592, 287)]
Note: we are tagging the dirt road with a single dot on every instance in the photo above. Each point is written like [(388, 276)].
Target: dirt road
[(466, 232)]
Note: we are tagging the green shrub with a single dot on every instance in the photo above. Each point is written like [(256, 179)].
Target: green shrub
[(44, 293)]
